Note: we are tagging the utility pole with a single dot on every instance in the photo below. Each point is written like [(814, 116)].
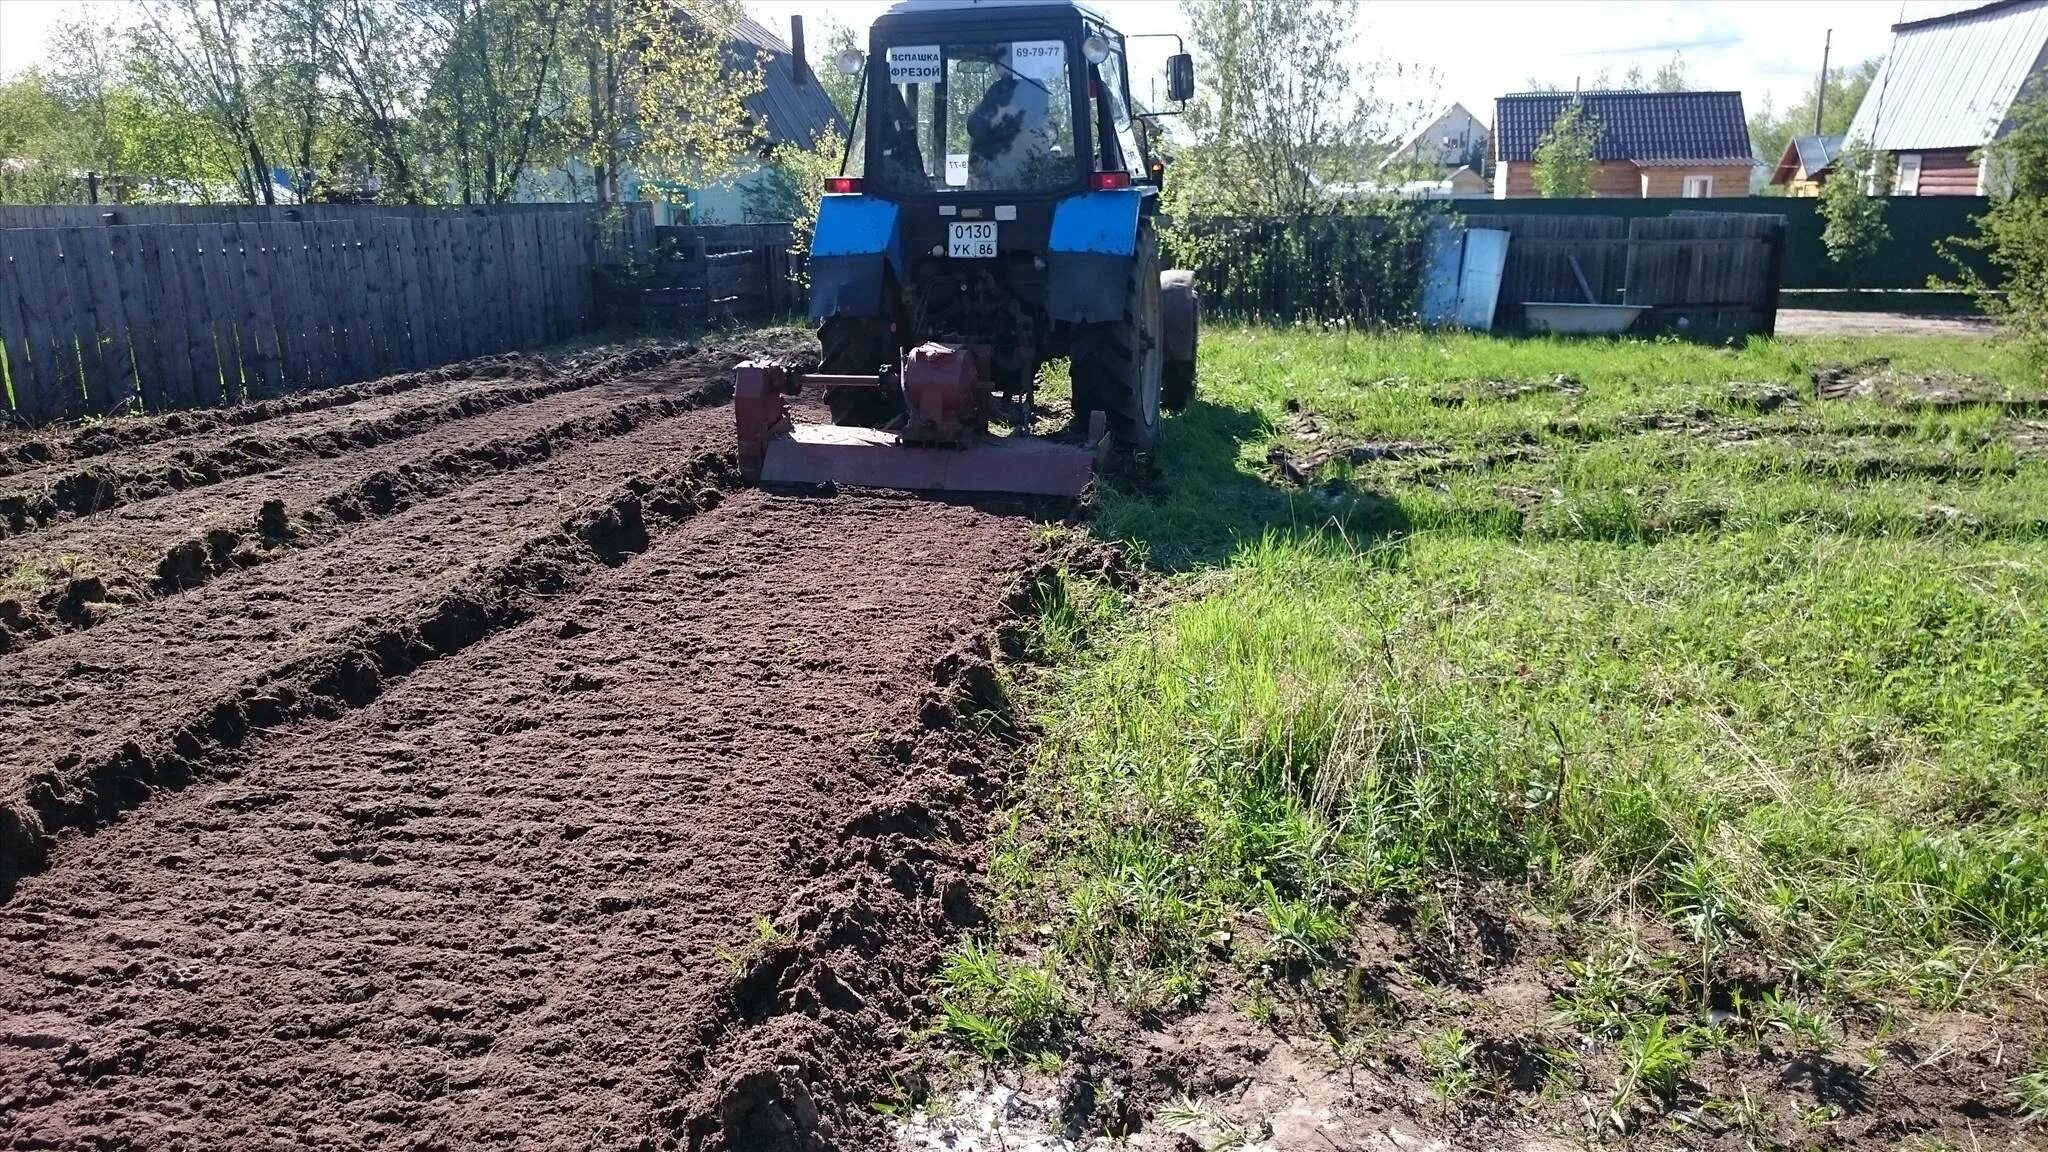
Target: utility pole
[(1820, 99)]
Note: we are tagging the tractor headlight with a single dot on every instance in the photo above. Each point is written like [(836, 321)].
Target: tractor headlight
[(1096, 49), (848, 61)]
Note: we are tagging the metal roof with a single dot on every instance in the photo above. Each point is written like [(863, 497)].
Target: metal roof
[(1817, 152), (787, 112), (913, 7), (1645, 127), (1806, 156), (1949, 81)]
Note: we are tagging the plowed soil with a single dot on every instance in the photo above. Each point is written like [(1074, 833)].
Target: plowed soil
[(471, 761)]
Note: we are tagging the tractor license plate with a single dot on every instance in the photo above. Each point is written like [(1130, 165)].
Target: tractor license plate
[(972, 240)]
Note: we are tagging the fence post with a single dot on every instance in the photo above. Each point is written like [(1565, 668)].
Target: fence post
[(1774, 275)]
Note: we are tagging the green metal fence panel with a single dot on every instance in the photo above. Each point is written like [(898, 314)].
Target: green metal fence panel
[(1919, 227)]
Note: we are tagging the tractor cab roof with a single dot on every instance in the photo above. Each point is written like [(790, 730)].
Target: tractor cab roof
[(904, 11)]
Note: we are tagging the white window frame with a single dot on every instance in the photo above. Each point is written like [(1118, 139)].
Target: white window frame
[(1697, 186), (1906, 175)]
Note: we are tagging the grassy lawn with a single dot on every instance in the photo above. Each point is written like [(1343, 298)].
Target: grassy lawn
[(1633, 673)]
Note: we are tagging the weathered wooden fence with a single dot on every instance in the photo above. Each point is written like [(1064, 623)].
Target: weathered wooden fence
[(106, 318), (95, 215), (1707, 275), (707, 273)]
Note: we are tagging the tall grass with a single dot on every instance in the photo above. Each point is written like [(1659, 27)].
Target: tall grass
[(1775, 679)]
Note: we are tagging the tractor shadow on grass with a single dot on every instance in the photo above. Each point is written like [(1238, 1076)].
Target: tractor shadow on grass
[(1206, 496)]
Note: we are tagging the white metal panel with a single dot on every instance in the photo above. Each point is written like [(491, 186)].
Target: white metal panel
[(1950, 83), (1486, 257)]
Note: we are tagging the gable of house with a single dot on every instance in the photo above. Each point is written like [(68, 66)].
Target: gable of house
[(1949, 82), (1455, 139), (1643, 128), (1806, 157), (784, 111)]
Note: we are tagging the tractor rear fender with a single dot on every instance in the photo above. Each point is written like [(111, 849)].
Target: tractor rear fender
[(856, 238), (1088, 257)]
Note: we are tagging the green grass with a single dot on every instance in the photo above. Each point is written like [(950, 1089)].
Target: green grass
[(1777, 680)]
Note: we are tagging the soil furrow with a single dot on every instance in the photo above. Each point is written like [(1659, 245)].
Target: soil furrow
[(111, 565), (72, 704), (22, 453), (490, 906), (349, 671), (39, 499)]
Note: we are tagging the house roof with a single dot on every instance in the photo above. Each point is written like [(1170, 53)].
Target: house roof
[(788, 113), (1807, 156), (1949, 81), (1645, 127), (1455, 113)]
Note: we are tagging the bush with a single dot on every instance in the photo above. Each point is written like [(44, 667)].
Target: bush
[(1855, 218), (2014, 234)]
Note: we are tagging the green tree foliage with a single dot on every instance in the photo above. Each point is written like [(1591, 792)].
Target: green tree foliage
[(1281, 114), (33, 151), (194, 53), (1669, 77), (672, 79), (844, 89), (1564, 164), (1770, 130), (1855, 227), (2013, 235), (406, 100)]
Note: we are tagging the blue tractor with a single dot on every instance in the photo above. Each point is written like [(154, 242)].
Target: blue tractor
[(997, 209)]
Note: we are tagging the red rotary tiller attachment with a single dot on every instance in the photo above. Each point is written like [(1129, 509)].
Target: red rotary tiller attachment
[(940, 443)]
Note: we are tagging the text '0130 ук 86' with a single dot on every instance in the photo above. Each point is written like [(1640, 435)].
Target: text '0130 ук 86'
[(971, 239)]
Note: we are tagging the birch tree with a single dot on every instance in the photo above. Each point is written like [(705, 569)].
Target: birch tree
[(195, 53)]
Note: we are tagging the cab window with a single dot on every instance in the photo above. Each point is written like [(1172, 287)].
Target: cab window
[(1115, 109), (975, 117)]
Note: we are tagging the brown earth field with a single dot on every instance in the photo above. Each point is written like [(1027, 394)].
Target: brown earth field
[(470, 760)]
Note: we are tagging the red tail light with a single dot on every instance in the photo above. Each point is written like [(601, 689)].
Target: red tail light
[(842, 183), (1110, 181)]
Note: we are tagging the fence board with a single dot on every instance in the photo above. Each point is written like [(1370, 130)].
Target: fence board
[(490, 271), (387, 327), (324, 325), (113, 388), (288, 311), (32, 342), (202, 337), (66, 318), (441, 302), (466, 290), (396, 235), (13, 344), (355, 288), (518, 272), (251, 264), (138, 320), (167, 318)]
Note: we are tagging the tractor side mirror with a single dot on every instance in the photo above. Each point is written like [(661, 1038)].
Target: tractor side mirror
[(1180, 78)]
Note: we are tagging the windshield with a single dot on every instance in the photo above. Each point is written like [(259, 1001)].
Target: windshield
[(976, 117)]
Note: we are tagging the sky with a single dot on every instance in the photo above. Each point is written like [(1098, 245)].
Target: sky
[(1468, 51)]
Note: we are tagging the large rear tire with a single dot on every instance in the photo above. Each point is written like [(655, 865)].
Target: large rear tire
[(1117, 365), (858, 345)]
